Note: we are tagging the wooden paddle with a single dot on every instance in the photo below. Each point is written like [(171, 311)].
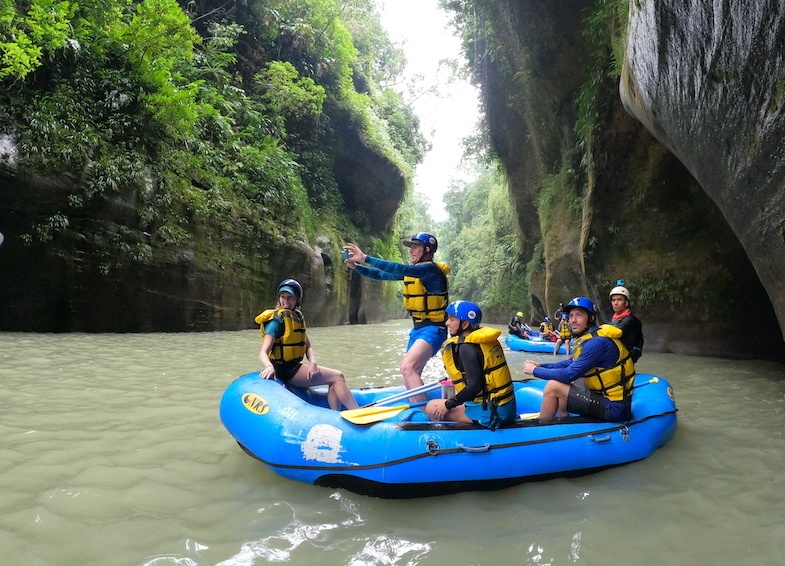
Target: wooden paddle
[(370, 415)]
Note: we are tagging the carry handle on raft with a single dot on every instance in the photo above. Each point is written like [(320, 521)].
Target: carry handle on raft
[(370, 415)]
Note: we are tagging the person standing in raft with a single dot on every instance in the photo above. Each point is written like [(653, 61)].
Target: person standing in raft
[(565, 335), (623, 319), (424, 296), (600, 358), (475, 362), (285, 343)]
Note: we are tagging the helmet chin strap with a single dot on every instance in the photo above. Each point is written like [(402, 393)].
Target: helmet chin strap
[(461, 328)]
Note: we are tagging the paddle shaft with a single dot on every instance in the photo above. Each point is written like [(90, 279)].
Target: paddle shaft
[(652, 380), (405, 394)]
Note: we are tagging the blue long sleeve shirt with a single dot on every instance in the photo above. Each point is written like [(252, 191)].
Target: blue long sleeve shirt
[(382, 270), (597, 352)]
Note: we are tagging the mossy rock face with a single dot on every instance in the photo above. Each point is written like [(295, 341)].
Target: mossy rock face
[(219, 280)]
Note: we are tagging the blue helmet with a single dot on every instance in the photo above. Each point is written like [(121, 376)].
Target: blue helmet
[(292, 287), (424, 239), (465, 310), (547, 319), (581, 302)]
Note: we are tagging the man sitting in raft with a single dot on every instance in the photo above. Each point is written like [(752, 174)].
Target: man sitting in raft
[(475, 363), (517, 326), (599, 357)]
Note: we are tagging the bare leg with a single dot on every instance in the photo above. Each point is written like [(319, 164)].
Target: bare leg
[(412, 365), (457, 414), (562, 412), (338, 393), (554, 400)]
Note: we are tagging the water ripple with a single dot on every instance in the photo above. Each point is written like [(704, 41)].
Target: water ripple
[(113, 453)]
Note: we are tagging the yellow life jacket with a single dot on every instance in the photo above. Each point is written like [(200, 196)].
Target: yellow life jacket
[(423, 305), (615, 383), (290, 346), (545, 329), (498, 381)]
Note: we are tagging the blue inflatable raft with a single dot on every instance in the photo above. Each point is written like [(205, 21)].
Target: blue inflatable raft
[(535, 345), (295, 435)]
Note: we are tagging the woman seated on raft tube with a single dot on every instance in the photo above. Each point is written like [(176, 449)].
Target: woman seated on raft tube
[(599, 357), (475, 362), (284, 344)]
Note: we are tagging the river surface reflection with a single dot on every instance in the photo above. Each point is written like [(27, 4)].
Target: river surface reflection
[(113, 453)]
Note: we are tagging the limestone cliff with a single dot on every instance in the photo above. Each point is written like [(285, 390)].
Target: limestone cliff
[(707, 79), (694, 226)]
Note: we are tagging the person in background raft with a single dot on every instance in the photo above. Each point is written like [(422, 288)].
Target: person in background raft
[(600, 358), (565, 334), (475, 362), (546, 329), (623, 319), (517, 326), (424, 296), (285, 343)]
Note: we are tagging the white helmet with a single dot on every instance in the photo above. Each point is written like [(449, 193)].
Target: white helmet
[(620, 291)]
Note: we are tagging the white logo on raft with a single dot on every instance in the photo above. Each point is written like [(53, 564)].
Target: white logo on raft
[(323, 444)]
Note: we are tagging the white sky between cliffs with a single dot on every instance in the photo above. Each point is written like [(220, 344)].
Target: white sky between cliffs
[(422, 30)]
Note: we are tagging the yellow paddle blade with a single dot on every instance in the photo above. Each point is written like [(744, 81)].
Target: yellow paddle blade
[(369, 415), (529, 416)]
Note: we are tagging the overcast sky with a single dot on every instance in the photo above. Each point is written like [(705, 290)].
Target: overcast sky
[(422, 30)]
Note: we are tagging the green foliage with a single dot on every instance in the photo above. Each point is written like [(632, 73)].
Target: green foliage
[(482, 247), (159, 41), (604, 35), (403, 127), (378, 61), (27, 35), (176, 128), (286, 94)]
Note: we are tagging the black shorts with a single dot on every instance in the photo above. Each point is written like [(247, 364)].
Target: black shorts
[(287, 370), (585, 401)]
